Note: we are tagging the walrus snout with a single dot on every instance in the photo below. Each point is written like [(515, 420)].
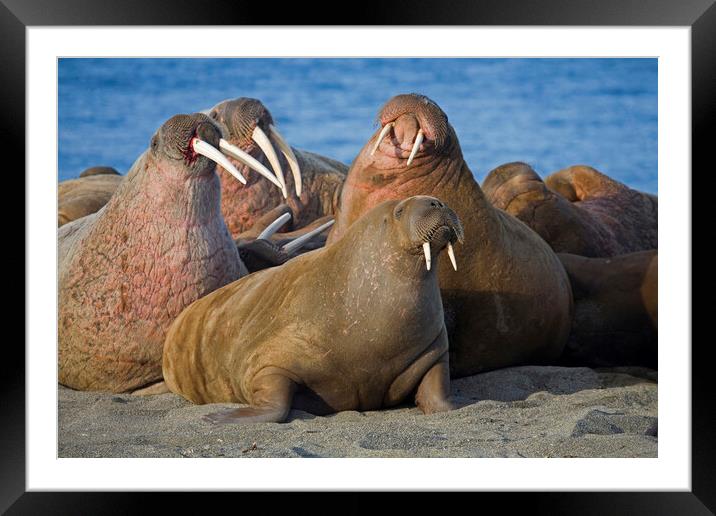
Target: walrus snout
[(241, 116), (431, 225), (416, 118)]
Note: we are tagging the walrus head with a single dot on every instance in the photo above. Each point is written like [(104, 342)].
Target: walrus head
[(190, 143), (413, 130), (427, 226), (250, 131)]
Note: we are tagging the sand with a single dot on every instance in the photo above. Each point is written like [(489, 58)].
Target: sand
[(515, 412)]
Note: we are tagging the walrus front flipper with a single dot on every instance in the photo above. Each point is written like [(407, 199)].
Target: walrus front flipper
[(272, 397), (261, 254), (434, 390)]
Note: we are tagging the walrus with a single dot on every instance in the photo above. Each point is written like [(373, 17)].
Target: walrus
[(310, 190), (355, 326), (577, 210), (511, 301), (77, 198), (99, 170), (127, 271), (616, 310)]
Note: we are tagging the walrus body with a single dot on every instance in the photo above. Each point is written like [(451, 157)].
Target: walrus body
[(616, 310), (127, 271), (321, 177), (77, 198), (510, 302), (577, 210), (355, 326)]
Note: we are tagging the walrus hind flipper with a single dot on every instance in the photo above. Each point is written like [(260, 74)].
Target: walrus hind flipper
[(272, 398), (247, 415)]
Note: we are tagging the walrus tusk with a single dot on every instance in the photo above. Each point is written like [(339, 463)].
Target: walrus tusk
[(297, 243), (274, 226), (290, 157), (426, 250), (451, 254), (382, 134), (418, 140), (263, 142), (211, 152), (248, 160)]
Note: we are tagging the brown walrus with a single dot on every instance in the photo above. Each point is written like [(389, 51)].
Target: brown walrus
[(77, 198), (615, 310), (99, 170), (511, 301), (355, 326), (311, 188), (577, 210), (127, 271)]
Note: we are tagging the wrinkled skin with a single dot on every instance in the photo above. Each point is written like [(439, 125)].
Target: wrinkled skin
[(243, 205), (616, 310), (127, 271), (510, 301), (577, 210), (77, 198), (355, 326)]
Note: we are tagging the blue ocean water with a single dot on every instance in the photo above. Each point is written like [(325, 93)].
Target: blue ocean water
[(551, 113)]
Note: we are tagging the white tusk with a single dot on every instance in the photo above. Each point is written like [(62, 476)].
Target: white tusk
[(451, 254), (274, 226), (248, 160), (263, 142), (382, 134), (297, 243), (416, 145), (290, 157), (426, 250), (211, 152)]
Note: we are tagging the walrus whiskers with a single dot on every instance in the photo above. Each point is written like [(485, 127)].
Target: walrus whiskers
[(426, 250), (382, 134), (249, 161), (416, 145), (290, 157), (211, 152), (451, 254), (274, 226), (297, 243), (265, 145)]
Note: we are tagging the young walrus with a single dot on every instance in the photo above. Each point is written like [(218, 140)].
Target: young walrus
[(355, 326), (126, 271)]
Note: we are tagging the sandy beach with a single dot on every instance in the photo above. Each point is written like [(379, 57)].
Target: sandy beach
[(515, 412)]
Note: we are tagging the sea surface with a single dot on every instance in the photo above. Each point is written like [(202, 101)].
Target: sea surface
[(551, 113)]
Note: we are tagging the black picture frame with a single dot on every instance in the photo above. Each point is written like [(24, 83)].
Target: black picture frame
[(700, 15)]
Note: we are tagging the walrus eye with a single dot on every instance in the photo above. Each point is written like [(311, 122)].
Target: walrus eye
[(214, 114), (155, 142), (399, 213)]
